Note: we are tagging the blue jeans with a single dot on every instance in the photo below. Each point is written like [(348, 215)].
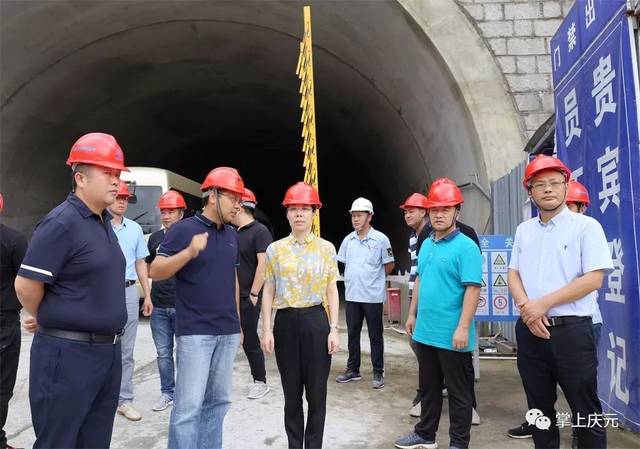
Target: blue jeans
[(203, 390), (163, 329)]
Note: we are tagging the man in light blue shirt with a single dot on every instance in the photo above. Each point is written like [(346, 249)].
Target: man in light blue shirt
[(557, 265), (368, 258), (134, 248)]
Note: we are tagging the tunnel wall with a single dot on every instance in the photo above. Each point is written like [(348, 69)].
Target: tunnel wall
[(432, 93)]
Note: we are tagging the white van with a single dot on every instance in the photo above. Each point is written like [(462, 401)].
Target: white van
[(147, 184)]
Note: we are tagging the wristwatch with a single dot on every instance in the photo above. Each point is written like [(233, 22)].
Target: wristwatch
[(253, 294)]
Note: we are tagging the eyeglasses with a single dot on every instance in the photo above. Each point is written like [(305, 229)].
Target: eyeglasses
[(542, 186), (233, 198)]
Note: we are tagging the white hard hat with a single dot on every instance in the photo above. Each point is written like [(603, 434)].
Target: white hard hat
[(361, 205)]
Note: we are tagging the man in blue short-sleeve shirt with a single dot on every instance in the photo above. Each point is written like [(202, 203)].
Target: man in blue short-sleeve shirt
[(451, 266), (135, 250), (71, 281), (367, 257), (202, 252)]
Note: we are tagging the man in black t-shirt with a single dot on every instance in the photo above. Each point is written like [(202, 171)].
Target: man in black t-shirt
[(13, 245), (254, 238), (163, 296)]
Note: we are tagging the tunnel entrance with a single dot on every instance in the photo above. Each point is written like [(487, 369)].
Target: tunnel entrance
[(188, 86)]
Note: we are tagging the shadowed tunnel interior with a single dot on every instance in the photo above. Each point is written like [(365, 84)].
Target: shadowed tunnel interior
[(189, 86)]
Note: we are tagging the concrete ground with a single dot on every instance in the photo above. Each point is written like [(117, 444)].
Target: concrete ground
[(357, 415)]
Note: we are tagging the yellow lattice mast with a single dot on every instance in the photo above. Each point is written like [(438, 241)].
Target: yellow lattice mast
[(304, 71)]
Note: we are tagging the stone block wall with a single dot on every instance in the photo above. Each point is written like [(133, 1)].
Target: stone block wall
[(518, 33)]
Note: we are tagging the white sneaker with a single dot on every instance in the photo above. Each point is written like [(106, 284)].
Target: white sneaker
[(129, 412), (475, 418), (416, 410), (163, 403), (258, 389)]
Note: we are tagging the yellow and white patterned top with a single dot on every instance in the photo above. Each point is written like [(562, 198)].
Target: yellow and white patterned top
[(301, 271)]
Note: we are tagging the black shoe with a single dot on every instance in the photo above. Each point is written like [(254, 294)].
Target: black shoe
[(522, 431), (348, 376)]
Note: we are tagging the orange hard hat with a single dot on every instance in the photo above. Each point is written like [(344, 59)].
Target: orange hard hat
[(577, 193), (415, 200), (171, 200), (123, 189), (444, 192), (541, 163), (97, 149), (1, 203), (302, 194), (225, 178), (249, 197)]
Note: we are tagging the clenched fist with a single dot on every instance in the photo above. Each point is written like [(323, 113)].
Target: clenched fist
[(198, 243)]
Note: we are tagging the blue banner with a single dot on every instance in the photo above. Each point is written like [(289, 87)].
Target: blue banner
[(597, 137), (496, 303)]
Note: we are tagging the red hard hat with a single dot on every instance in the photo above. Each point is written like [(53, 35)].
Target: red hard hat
[(577, 193), (415, 200), (303, 194), (444, 192), (1, 203), (542, 162), (123, 189), (225, 178), (249, 197), (171, 200), (97, 149)]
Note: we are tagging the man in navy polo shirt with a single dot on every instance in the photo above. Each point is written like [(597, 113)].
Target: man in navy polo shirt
[(71, 281), (367, 257), (202, 252), (451, 266)]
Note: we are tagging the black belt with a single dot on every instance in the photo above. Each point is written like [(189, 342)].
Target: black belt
[(128, 283), (87, 337), (556, 321)]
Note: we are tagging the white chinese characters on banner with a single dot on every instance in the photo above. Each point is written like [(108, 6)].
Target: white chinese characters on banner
[(608, 167), (572, 39), (602, 90), (589, 13), (614, 278), (571, 119), (618, 365)]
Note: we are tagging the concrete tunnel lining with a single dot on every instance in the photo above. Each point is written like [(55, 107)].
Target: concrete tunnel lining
[(216, 82)]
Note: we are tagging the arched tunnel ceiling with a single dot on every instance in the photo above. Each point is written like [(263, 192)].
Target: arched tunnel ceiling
[(188, 86)]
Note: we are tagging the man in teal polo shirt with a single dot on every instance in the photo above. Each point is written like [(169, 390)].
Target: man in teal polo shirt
[(444, 331)]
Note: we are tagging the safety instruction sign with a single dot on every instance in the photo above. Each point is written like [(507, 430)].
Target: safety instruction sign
[(496, 303)]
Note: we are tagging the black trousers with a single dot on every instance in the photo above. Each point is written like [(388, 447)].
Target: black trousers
[(304, 363), (73, 392), (356, 313), (568, 359), (456, 369), (414, 348), (249, 316), (9, 357)]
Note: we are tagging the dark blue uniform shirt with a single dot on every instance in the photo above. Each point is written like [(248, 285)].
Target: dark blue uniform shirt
[(76, 254), (206, 285)]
